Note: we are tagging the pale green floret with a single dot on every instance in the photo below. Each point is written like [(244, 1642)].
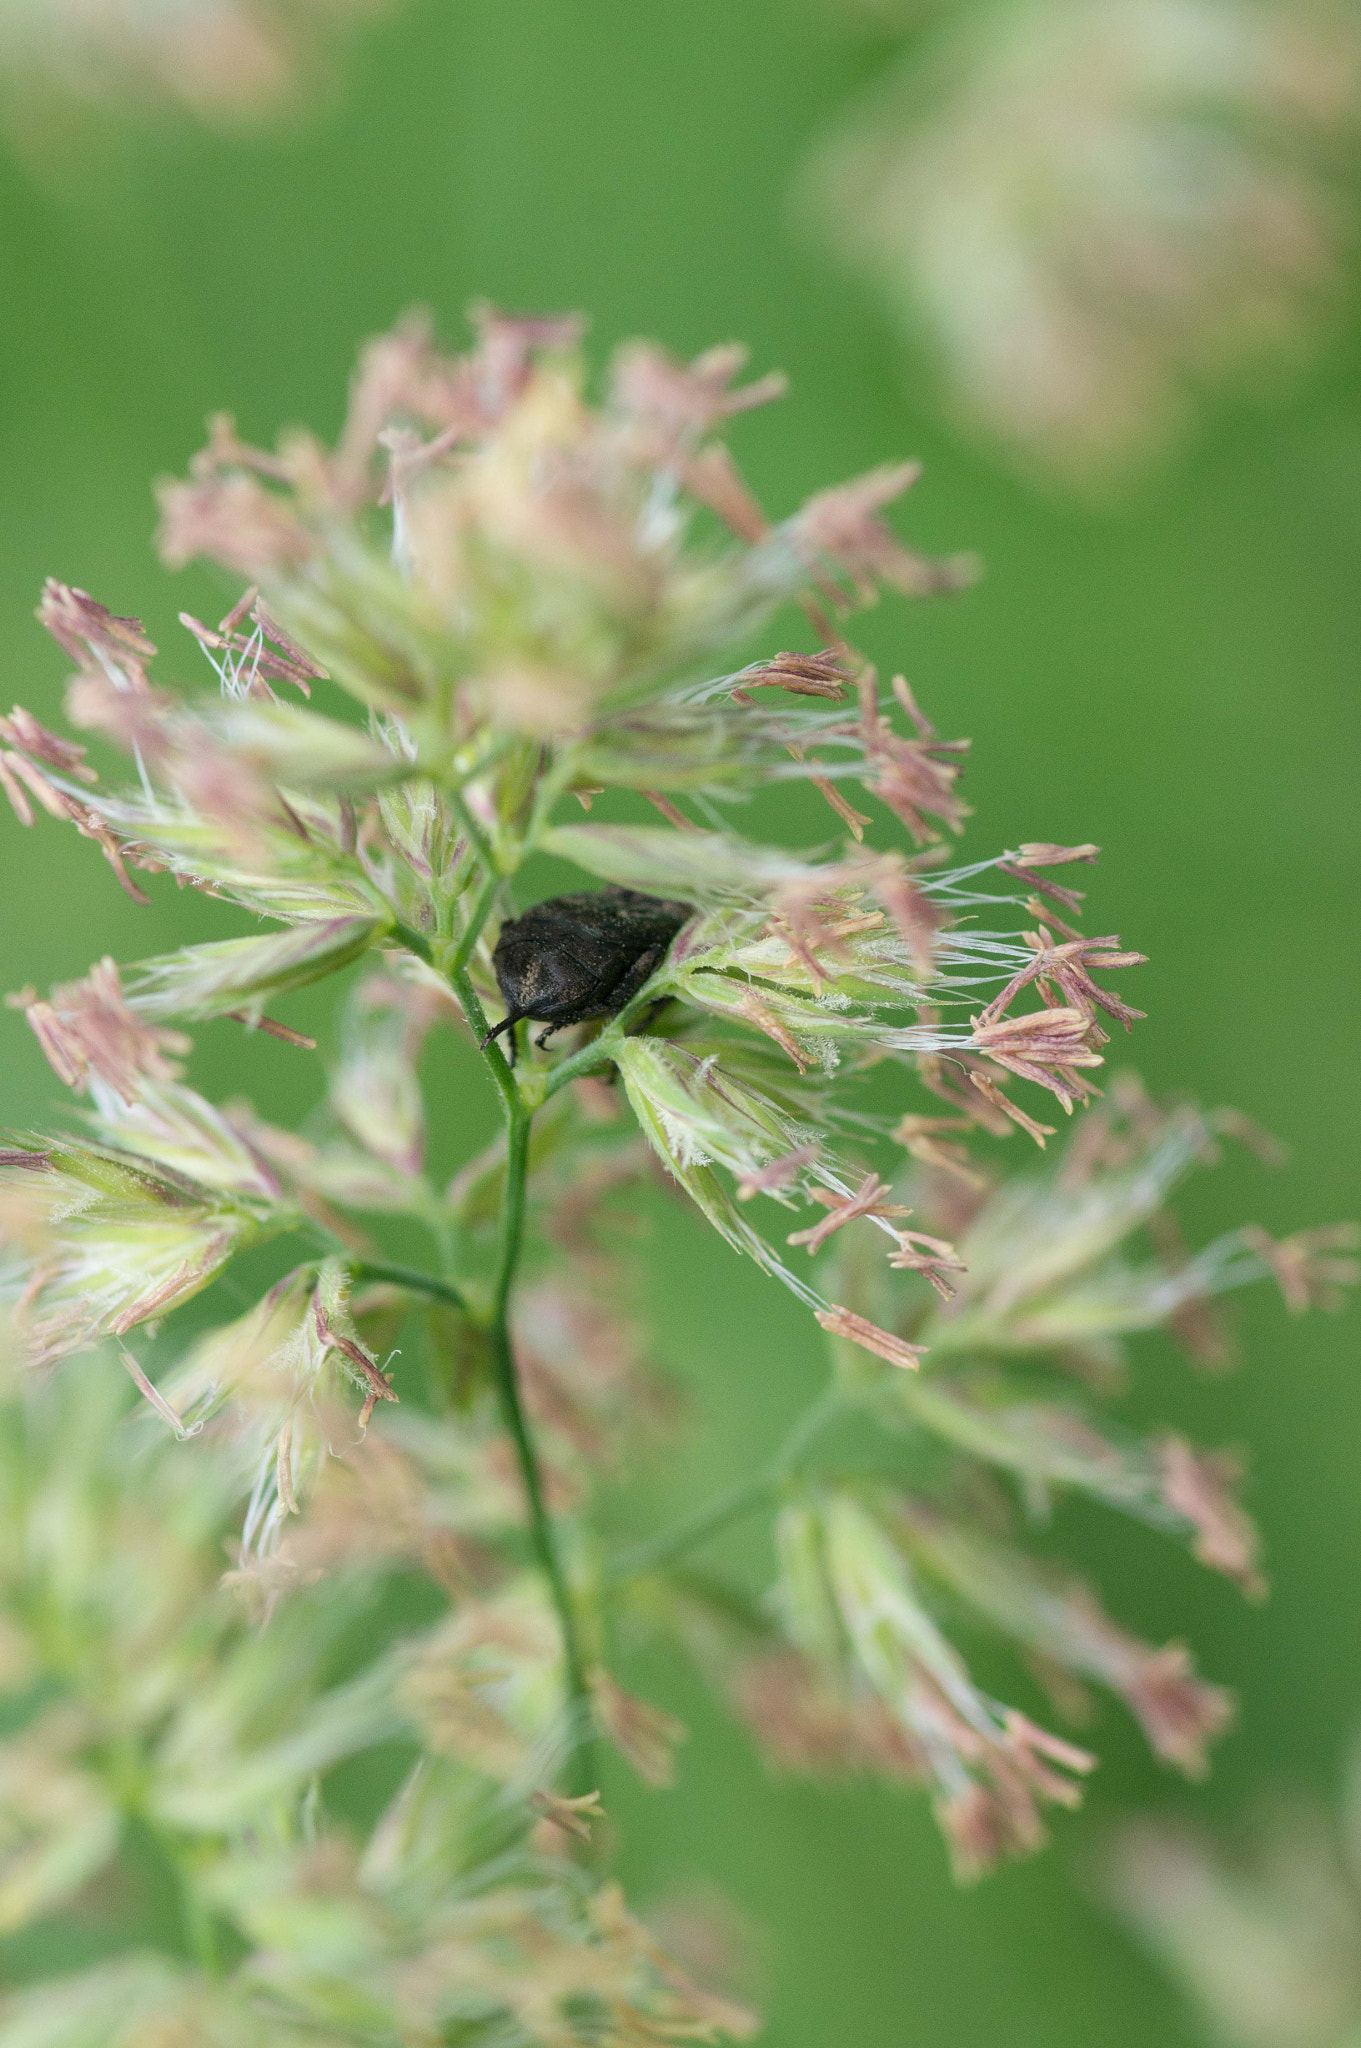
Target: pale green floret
[(119, 1240), (232, 975)]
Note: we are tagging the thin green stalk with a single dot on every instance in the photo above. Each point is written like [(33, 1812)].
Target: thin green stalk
[(408, 1276), (477, 917), (511, 1101), (598, 1053), (602, 1049), (512, 1411), (518, 1115), (739, 1500), (414, 941), (456, 973)]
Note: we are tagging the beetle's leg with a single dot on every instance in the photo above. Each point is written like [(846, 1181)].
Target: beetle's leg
[(507, 1024), (544, 1036), (641, 972)]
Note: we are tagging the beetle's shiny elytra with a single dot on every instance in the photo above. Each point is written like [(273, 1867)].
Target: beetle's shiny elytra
[(581, 956)]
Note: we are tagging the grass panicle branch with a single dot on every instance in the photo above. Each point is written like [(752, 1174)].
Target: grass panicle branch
[(561, 610)]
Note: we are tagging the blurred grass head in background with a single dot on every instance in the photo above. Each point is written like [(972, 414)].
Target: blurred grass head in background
[(229, 63), (1086, 213), (1263, 1931)]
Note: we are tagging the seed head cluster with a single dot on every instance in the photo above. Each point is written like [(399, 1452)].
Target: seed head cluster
[(502, 619)]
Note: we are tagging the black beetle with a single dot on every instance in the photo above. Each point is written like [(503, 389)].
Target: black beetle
[(580, 956)]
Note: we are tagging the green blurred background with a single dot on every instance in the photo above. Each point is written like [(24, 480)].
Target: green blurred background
[(1173, 678)]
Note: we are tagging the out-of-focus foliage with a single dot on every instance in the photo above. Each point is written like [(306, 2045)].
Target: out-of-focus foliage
[(1090, 212), (1263, 1933), (142, 1696), (228, 62)]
